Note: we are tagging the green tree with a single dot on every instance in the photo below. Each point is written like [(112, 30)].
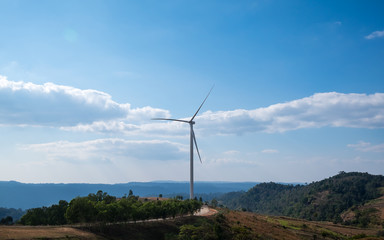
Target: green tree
[(35, 216), (56, 213), (214, 203), (81, 209), (6, 221), (190, 232)]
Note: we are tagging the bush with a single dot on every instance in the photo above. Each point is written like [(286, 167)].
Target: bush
[(6, 221)]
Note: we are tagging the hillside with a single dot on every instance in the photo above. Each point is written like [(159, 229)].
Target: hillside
[(228, 225), (325, 200), (225, 225)]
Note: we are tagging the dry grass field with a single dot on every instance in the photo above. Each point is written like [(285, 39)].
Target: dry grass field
[(44, 232), (290, 228)]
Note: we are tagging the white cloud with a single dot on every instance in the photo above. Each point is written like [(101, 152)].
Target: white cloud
[(74, 109), (231, 152), (270, 151), (25, 103), (164, 129), (108, 150), (319, 110), (375, 34), (367, 147)]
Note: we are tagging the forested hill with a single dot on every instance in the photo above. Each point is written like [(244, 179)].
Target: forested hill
[(322, 201)]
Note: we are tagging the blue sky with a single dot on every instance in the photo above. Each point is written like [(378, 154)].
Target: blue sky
[(298, 96)]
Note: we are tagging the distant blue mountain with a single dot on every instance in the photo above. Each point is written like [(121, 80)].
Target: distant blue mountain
[(27, 195)]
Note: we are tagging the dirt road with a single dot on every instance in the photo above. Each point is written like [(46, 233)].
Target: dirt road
[(206, 211)]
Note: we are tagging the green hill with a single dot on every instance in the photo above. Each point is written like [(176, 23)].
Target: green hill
[(325, 200)]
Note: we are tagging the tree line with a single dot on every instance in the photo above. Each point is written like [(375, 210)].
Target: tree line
[(101, 207)]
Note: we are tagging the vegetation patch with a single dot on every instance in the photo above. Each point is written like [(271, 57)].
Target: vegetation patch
[(325, 200), (101, 207), (330, 234), (287, 224)]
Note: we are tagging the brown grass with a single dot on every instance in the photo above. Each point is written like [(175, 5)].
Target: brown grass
[(45, 232), (290, 228)]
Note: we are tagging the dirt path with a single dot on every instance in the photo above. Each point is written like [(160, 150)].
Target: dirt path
[(206, 211)]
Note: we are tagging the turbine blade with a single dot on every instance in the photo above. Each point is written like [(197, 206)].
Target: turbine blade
[(170, 119), (202, 104), (197, 149)]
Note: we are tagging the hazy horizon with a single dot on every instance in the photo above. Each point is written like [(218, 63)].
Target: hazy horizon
[(154, 181)]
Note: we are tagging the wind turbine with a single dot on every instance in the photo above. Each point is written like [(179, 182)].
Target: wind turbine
[(192, 141)]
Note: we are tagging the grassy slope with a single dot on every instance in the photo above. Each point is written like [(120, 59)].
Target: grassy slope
[(267, 227), (372, 210)]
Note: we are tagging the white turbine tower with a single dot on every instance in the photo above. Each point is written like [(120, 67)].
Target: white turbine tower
[(192, 141)]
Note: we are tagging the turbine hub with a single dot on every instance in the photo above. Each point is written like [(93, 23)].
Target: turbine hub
[(192, 122)]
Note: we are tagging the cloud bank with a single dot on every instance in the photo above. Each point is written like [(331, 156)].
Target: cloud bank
[(270, 151), (319, 110), (109, 149), (25, 103), (73, 109), (367, 147)]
